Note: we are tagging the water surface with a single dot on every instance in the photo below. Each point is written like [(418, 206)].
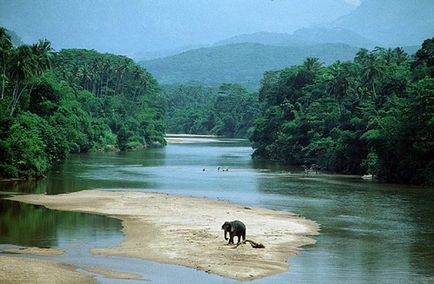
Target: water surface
[(369, 232)]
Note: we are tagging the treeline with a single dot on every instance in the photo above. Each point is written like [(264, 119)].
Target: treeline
[(373, 115), (225, 111), (73, 101)]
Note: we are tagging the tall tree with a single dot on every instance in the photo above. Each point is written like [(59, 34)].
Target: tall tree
[(5, 51)]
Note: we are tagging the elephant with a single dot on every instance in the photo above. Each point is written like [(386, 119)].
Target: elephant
[(234, 228)]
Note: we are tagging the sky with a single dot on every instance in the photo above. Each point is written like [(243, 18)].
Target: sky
[(133, 26), (354, 2)]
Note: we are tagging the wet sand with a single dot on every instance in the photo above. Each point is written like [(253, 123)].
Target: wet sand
[(36, 251), (187, 231), (27, 270), (107, 273)]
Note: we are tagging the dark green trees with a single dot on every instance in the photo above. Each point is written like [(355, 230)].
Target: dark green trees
[(125, 97), (87, 101), (225, 111), (373, 115)]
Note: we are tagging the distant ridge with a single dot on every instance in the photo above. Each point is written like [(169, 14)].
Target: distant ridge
[(16, 40), (242, 63), (303, 37)]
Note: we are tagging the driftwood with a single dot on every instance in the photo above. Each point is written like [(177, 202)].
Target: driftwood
[(252, 243)]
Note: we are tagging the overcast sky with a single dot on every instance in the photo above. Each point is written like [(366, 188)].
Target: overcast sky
[(354, 2), (133, 26)]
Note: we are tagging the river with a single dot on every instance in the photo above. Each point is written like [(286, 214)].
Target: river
[(370, 232)]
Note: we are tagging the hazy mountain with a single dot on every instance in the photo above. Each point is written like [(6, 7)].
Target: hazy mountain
[(387, 23), (132, 26), (242, 63), (332, 35), (266, 38), (302, 37), (148, 55), (16, 40), (392, 22), (412, 49)]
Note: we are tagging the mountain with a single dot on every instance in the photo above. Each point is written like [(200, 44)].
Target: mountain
[(242, 63), (15, 39), (148, 55), (266, 38), (332, 35), (128, 27), (302, 37), (391, 22)]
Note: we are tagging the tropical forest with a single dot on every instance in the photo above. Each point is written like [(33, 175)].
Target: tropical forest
[(217, 141), (372, 115)]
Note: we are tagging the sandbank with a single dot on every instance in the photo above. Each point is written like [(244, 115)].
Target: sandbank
[(36, 251), (188, 140), (27, 270), (107, 273), (191, 135), (191, 138), (187, 231)]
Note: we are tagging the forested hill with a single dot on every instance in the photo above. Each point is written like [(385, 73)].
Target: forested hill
[(372, 115), (242, 63), (73, 101)]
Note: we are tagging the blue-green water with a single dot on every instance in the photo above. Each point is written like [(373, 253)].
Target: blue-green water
[(369, 232)]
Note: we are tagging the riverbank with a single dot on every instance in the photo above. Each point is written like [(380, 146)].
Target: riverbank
[(27, 270), (187, 231)]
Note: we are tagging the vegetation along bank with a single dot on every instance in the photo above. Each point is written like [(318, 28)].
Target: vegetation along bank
[(373, 115), (72, 101)]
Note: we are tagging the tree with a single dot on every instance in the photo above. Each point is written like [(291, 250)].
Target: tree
[(26, 62), (5, 51), (372, 71), (322, 115)]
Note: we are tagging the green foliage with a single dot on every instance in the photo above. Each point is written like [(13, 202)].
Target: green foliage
[(374, 115), (88, 101), (124, 96), (24, 148), (227, 111)]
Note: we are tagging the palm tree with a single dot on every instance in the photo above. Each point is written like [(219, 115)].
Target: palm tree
[(372, 71), (311, 68), (312, 64), (21, 69), (337, 82), (42, 56), (400, 55), (28, 61), (5, 51)]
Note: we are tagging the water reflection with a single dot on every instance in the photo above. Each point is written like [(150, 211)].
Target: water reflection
[(29, 225), (369, 232), (94, 170)]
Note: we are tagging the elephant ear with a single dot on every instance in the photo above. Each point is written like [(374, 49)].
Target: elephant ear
[(232, 229)]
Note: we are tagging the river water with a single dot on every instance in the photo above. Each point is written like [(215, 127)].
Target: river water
[(370, 232)]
